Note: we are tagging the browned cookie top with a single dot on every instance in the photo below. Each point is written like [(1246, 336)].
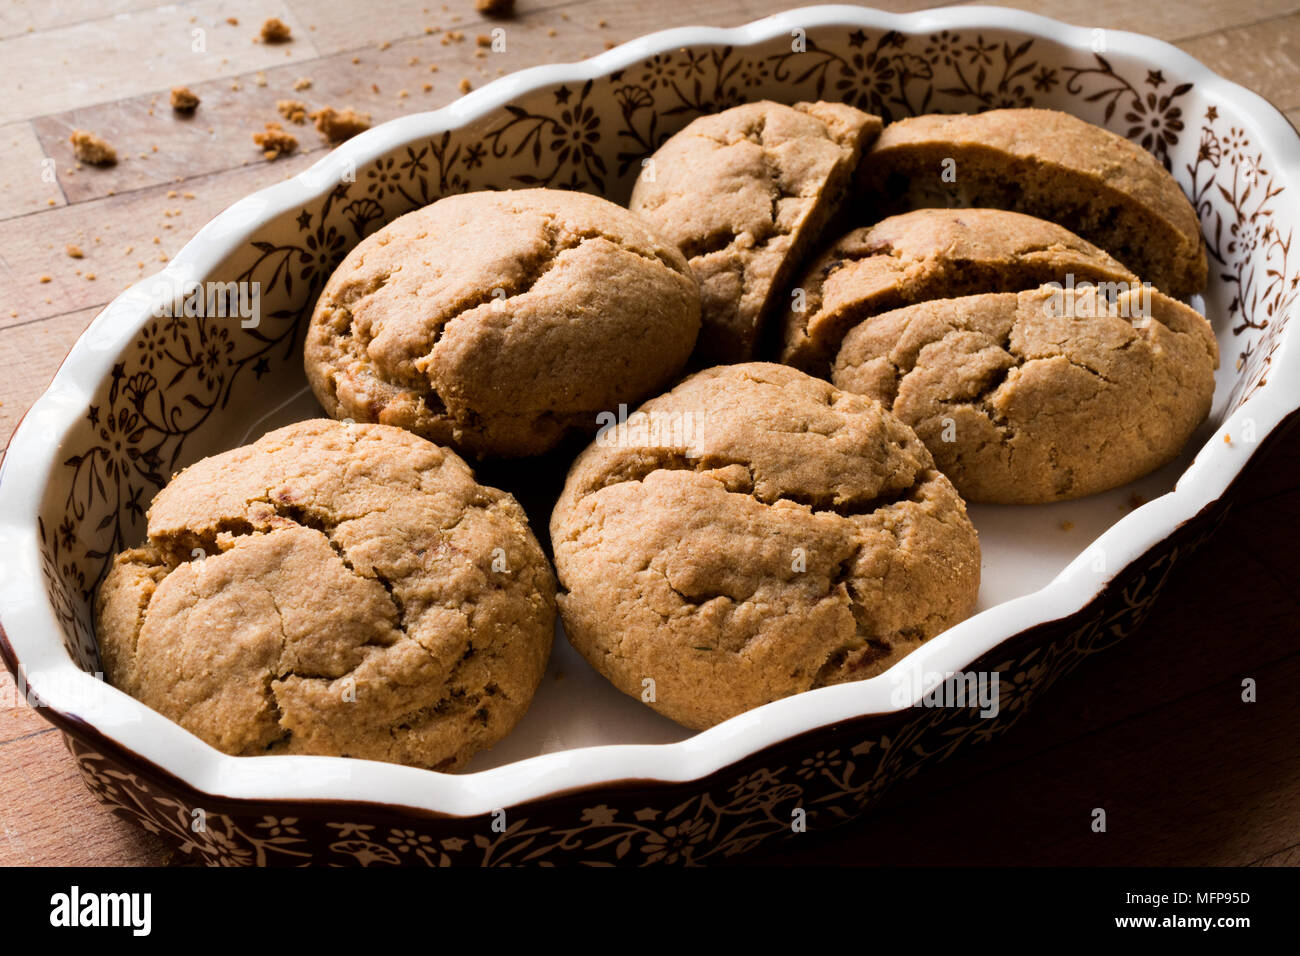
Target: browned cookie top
[(752, 534), (1038, 396), (743, 192), (1049, 164), (497, 321), (930, 254), (332, 589)]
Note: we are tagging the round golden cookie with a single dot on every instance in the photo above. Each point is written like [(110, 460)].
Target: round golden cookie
[(754, 533), (332, 589), (1093, 182), (743, 193), (496, 322), (1040, 395), (930, 254)]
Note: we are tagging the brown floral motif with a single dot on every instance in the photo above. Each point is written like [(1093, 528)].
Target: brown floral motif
[(1236, 198), (1155, 120), (564, 140), (212, 839), (673, 88)]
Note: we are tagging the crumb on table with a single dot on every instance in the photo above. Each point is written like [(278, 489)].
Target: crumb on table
[(302, 83), (339, 125), (495, 8), (465, 85), (74, 252), (184, 100), (90, 149), (275, 142), (275, 30), (295, 111)]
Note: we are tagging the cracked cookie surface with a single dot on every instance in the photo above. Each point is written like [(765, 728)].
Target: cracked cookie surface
[(752, 534), (1096, 183), (1032, 397), (930, 254), (332, 589), (742, 193), (496, 322)]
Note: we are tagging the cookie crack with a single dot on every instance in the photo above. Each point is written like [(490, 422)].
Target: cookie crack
[(641, 469)]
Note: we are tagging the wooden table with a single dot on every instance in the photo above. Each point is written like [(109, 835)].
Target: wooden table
[(1154, 730)]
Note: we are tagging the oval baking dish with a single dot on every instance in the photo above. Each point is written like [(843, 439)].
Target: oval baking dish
[(591, 776)]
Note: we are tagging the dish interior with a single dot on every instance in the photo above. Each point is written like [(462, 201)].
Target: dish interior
[(187, 386)]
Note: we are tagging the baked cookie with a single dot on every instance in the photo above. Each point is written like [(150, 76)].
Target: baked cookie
[(743, 193), (1110, 191), (332, 589), (498, 321), (1039, 395), (752, 534), (930, 254)]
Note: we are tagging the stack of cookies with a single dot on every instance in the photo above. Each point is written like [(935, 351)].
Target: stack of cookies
[(836, 333)]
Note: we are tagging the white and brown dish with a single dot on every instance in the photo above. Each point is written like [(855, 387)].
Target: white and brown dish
[(590, 775)]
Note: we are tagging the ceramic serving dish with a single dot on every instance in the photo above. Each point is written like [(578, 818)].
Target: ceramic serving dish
[(590, 775)]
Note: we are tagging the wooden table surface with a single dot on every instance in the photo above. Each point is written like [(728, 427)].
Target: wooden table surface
[(1154, 730)]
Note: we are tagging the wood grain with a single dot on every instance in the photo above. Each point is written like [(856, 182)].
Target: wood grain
[(116, 236), (27, 180), (32, 354), (102, 60), (1263, 56), (1168, 21), (1154, 730)]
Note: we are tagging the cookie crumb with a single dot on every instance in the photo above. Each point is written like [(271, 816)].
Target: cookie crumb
[(295, 111), (184, 100), (302, 83), (259, 78), (465, 85), (498, 9), (275, 30), (339, 125), (274, 142), (45, 279), (89, 148), (74, 252), (233, 21), (483, 40), (1136, 501), (1067, 525)]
